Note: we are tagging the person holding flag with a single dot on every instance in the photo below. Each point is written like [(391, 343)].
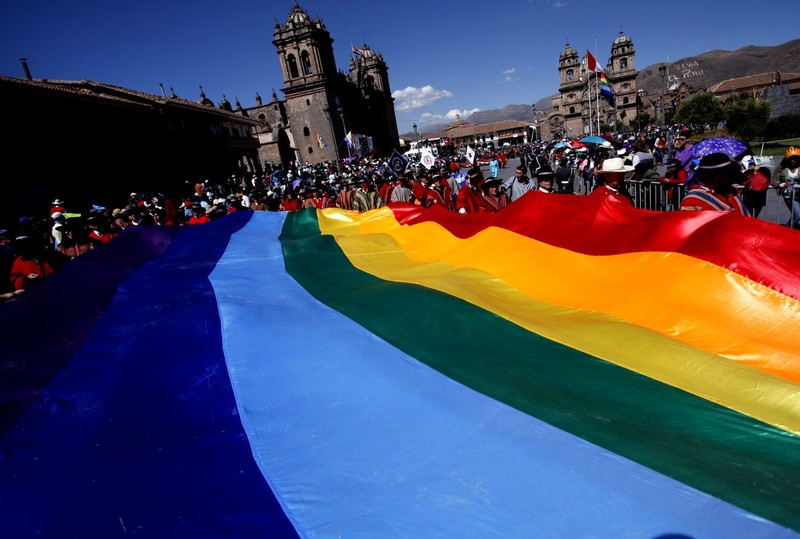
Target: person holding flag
[(470, 197)]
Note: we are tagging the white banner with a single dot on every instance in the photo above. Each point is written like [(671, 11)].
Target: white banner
[(426, 158), (470, 155)]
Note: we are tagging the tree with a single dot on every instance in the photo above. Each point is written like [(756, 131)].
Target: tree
[(701, 108), (783, 127), (747, 117)]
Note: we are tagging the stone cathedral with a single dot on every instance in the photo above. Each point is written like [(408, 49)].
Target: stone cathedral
[(321, 104), (572, 115)]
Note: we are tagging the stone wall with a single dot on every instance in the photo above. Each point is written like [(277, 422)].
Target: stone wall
[(782, 103)]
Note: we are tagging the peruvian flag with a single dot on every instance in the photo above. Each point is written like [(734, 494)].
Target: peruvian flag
[(591, 63)]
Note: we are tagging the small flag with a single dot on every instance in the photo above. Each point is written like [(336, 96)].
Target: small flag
[(591, 62), (605, 88), (357, 51), (397, 162), (350, 139), (426, 158), (470, 155), (320, 142)]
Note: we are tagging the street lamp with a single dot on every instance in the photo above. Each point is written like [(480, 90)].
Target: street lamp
[(344, 127), (662, 70), (416, 133)]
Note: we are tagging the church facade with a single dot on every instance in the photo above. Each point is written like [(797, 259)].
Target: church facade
[(326, 114), (579, 108)]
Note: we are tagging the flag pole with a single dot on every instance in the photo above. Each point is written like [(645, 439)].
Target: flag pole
[(589, 98), (597, 99)]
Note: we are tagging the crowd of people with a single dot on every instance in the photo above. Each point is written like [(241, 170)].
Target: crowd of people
[(37, 246)]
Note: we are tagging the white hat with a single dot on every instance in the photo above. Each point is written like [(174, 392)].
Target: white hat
[(614, 164)]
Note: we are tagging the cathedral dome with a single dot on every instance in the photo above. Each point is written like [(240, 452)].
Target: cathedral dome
[(298, 17), (622, 39), (568, 51)]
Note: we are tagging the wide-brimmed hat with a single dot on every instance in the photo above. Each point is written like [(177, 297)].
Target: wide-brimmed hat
[(717, 163), (491, 181), (614, 164)]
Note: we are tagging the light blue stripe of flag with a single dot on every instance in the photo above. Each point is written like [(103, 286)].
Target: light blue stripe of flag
[(357, 439)]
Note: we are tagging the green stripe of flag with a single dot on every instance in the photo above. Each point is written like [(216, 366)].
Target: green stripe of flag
[(711, 448)]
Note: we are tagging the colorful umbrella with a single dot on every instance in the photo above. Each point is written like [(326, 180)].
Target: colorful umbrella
[(593, 139), (577, 144), (730, 146)]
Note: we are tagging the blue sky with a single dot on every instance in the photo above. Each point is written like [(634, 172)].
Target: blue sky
[(445, 58)]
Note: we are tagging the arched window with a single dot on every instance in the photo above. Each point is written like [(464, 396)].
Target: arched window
[(570, 74), (310, 149), (572, 110), (306, 61), (291, 62), (263, 119), (306, 132), (624, 100), (623, 63)]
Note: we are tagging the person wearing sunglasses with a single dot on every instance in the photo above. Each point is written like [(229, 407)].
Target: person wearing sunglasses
[(682, 149)]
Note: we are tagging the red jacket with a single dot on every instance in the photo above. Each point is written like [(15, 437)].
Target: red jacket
[(469, 199), (23, 267)]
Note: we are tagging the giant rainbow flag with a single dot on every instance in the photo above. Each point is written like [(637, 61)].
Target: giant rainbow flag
[(567, 367)]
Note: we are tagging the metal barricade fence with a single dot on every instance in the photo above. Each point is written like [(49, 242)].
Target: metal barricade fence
[(667, 197), (793, 204), (655, 195)]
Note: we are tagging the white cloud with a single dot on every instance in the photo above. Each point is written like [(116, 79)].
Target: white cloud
[(426, 118), (509, 71), (411, 98)]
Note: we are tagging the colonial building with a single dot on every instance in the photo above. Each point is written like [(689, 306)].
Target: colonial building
[(94, 143), (482, 136), (322, 105), (579, 108), (781, 90)]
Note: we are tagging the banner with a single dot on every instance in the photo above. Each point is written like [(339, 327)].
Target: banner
[(470, 155), (426, 158), (397, 162), (411, 373)]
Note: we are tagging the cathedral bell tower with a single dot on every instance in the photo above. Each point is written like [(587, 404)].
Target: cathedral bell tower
[(622, 71), (571, 90), (368, 71), (305, 51)]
